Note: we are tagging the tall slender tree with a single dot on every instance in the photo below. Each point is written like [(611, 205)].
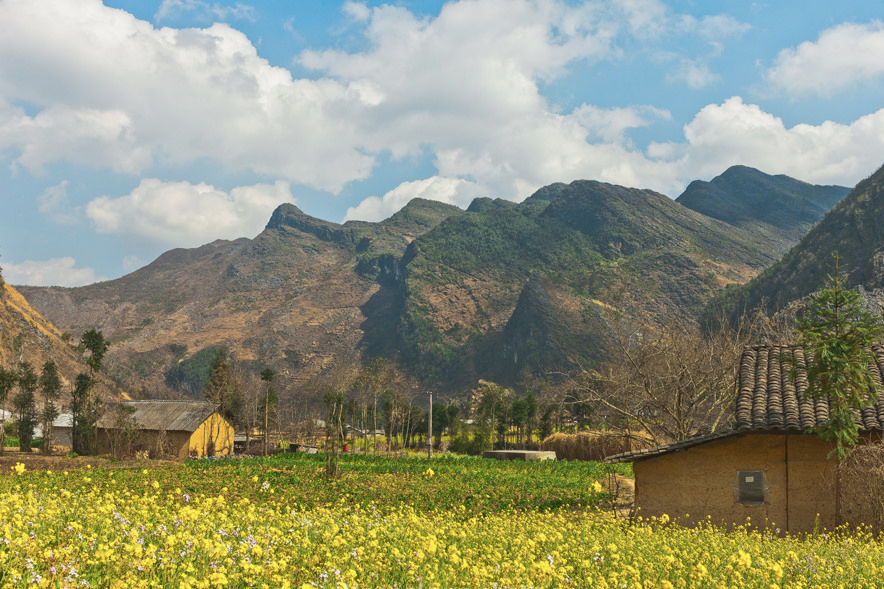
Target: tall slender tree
[(7, 383), (25, 404), (269, 401), (86, 406), (224, 391), (837, 331), (50, 386)]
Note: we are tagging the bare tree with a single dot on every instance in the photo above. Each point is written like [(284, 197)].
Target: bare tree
[(333, 387), (669, 377)]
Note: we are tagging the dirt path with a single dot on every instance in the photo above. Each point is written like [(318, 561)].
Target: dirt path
[(37, 461)]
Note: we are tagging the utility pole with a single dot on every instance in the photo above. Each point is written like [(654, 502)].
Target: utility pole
[(430, 427)]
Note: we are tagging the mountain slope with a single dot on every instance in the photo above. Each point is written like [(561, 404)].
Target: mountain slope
[(290, 298), (854, 228), (26, 335), (592, 245), (493, 292), (777, 206)]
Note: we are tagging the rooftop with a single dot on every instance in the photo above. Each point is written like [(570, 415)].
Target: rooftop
[(770, 399)]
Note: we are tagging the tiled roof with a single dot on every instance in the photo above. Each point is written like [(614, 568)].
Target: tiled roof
[(768, 399), (166, 415)]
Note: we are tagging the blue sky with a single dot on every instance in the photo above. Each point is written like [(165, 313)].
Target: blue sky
[(131, 127)]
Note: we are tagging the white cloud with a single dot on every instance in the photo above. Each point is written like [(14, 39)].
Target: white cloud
[(842, 56), (453, 191), (180, 214), (357, 11), (737, 133), (645, 17), (54, 272), (114, 92), (696, 74), (55, 204), (714, 27), (611, 124)]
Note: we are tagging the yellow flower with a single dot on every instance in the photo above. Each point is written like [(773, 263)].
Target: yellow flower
[(19, 468), (596, 487)]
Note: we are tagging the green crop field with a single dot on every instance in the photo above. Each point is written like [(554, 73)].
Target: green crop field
[(452, 522)]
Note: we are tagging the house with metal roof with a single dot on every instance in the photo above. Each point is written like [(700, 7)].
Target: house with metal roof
[(173, 429), (766, 466)]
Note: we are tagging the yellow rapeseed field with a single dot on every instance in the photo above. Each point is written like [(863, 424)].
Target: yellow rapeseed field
[(103, 528)]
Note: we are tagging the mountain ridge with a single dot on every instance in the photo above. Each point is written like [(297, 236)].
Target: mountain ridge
[(450, 293), (854, 228)]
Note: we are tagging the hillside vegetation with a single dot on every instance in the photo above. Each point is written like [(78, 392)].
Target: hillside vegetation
[(854, 228), (500, 291), (26, 336)]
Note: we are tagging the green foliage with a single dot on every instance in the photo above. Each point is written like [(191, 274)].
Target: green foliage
[(838, 332), (854, 227), (25, 405), (178, 350), (223, 389), (50, 386), (93, 341), (7, 383), (191, 375), (86, 409), (86, 406)]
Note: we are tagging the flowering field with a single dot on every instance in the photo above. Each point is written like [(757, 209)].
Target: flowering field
[(384, 523)]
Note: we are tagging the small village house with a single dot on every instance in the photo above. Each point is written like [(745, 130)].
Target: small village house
[(766, 466), (62, 431), (178, 429)]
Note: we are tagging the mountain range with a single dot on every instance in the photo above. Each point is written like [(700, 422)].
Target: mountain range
[(499, 291), (854, 229)]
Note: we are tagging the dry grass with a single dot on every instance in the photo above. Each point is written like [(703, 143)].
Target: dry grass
[(593, 445), (862, 486)]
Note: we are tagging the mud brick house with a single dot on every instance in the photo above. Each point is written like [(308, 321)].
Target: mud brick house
[(177, 429), (765, 466)]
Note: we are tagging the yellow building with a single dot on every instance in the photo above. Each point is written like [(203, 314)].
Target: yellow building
[(173, 429)]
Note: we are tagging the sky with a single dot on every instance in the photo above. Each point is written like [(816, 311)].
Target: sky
[(131, 127)]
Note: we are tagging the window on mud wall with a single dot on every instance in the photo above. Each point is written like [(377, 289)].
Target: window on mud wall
[(751, 487)]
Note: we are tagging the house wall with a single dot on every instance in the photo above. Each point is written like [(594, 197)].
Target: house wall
[(61, 436), (159, 444), (697, 482), (216, 430)]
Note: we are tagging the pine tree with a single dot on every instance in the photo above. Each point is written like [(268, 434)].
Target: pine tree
[(838, 331)]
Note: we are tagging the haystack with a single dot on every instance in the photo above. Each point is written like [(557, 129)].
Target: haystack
[(593, 445)]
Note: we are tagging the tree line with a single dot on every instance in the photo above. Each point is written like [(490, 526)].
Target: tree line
[(26, 388)]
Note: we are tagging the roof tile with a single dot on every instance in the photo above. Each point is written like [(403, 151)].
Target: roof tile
[(771, 396)]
